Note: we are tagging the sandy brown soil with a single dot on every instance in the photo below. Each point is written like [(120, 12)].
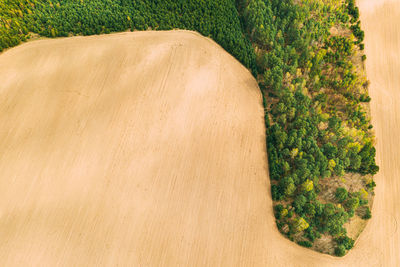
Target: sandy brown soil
[(148, 149), (381, 22), (144, 149)]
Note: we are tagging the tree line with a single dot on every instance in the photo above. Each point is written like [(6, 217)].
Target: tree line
[(217, 19), (317, 128)]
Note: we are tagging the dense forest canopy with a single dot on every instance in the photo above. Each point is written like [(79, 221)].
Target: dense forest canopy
[(308, 58), (218, 19)]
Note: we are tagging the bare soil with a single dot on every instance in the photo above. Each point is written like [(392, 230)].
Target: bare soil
[(131, 149), (148, 149)]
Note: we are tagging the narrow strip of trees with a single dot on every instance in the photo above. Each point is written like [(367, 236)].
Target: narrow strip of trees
[(317, 128)]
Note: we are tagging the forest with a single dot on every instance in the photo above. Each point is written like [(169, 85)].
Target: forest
[(218, 19), (308, 58), (319, 136)]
